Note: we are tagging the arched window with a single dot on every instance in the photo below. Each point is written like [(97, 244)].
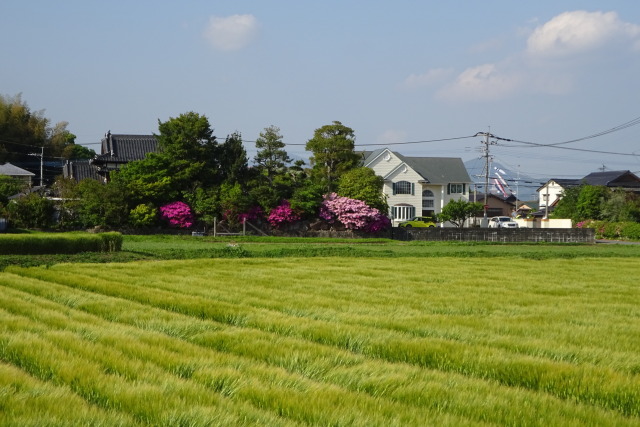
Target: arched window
[(427, 199), (403, 187), (428, 203)]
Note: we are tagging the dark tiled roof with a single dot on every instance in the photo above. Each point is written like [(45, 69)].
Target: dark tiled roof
[(127, 148), (611, 178), (438, 170), (80, 169)]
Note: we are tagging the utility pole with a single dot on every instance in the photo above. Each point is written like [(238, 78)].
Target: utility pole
[(517, 189), (41, 155), (487, 157)]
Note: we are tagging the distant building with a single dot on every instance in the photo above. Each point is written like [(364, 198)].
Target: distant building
[(116, 151), (551, 192), (15, 172), (418, 186)]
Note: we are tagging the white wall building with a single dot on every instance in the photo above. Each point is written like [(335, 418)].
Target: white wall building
[(418, 186)]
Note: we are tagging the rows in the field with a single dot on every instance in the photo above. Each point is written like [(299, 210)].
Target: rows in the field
[(263, 346), (155, 377), (539, 329)]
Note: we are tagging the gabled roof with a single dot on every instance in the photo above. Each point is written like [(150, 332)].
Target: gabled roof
[(434, 170), (12, 170), (611, 178), (126, 148), (608, 178), (438, 170)]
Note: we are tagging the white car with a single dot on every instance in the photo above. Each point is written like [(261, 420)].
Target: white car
[(502, 222)]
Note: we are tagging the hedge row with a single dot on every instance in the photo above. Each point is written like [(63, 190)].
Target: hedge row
[(613, 230), (45, 243)]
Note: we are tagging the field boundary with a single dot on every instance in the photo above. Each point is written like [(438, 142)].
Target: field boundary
[(520, 235)]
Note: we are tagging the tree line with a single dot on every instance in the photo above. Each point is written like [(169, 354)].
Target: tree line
[(215, 180)]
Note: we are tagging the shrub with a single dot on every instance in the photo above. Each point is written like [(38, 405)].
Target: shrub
[(353, 214), (613, 230), (31, 211), (45, 243), (282, 214), (177, 214), (143, 215)]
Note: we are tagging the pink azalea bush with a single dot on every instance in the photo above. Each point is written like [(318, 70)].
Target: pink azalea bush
[(177, 214), (252, 214), (282, 214), (353, 214)]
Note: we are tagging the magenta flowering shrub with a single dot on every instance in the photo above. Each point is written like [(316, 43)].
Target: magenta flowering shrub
[(353, 214), (252, 214), (177, 214), (282, 214)]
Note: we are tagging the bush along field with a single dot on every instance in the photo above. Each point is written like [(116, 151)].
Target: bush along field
[(322, 341)]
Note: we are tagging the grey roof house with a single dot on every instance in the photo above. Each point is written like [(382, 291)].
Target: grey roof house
[(418, 186), (116, 150), (15, 172)]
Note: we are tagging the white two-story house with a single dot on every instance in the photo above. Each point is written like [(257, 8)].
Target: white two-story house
[(418, 186)]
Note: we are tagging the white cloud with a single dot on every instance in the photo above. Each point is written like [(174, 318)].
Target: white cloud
[(580, 31), (433, 76), (484, 82), (231, 32)]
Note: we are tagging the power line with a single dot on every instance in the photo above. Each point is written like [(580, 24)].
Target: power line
[(617, 128), (402, 143)]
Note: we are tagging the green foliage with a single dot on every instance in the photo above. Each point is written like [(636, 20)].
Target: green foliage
[(75, 152), (205, 204), (148, 181), (59, 243), (234, 166), (306, 200), (10, 186), (590, 202), (566, 206), (190, 150), (621, 206), (143, 215), (23, 131), (31, 211), (233, 201), (332, 148), (271, 158), (363, 184), (457, 211), (102, 205), (613, 230)]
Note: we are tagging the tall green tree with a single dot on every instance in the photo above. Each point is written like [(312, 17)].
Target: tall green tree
[(187, 143), (566, 206), (234, 164), (271, 158), (363, 184), (590, 202), (23, 131), (332, 148)]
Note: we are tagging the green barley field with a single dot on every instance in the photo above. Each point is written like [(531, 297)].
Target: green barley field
[(377, 340)]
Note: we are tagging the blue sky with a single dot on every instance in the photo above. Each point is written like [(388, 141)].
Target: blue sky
[(395, 72)]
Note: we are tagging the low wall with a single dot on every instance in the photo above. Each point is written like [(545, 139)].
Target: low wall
[(551, 235)]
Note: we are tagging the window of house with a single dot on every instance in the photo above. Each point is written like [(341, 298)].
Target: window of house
[(455, 189), (427, 199), (403, 187), (403, 212)]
